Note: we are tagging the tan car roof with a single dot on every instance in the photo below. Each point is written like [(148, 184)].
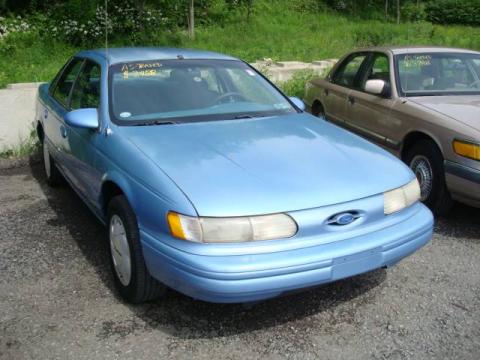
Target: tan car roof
[(417, 49)]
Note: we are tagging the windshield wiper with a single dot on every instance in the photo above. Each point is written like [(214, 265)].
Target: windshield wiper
[(246, 116), (155, 122), (243, 117)]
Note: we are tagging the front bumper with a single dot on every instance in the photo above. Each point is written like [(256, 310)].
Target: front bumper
[(463, 182), (253, 277)]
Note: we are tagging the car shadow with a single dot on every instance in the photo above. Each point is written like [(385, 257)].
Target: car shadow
[(185, 317), (460, 223)]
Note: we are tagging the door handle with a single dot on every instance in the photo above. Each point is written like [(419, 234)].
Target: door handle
[(63, 131), (351, 99)]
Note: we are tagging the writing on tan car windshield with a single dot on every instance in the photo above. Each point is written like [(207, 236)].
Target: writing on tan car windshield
[(438, 73)]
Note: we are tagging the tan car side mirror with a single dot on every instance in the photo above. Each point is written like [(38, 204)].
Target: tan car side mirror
[(375, 87)]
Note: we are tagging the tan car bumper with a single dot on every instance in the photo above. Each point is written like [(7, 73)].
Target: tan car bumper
[(463, 183)]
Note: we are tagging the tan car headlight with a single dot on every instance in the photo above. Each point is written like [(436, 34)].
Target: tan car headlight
[(402, 197), (467, 149), (231, 229)]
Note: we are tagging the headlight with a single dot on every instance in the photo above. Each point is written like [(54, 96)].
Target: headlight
[(231, 229), (467, 149), (400, 198)]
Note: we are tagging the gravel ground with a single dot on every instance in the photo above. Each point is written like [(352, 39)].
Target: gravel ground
[(57, 298)]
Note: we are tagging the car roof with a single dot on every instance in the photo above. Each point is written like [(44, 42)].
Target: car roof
[(417, 49), (128, 54)]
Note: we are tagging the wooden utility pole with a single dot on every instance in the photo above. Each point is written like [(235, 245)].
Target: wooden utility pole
[(191, 20), (386, 9)]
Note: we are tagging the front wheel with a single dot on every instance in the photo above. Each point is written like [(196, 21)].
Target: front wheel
[(131, 276), (426, 161), (318, 110)]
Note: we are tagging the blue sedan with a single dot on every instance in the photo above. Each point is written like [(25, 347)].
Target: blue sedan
[(214, 183)]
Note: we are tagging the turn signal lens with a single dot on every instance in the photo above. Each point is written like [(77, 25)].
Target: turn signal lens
[(402, 197), (231, 229), (467, 149), (184, 227)]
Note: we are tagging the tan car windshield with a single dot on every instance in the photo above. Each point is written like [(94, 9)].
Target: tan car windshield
[(439, 73)]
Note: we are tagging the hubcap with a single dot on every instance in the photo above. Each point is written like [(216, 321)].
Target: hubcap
[(46, 159), (420, 165), (120, 250)]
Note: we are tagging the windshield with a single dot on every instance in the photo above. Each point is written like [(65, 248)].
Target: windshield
[(190, 90), (438, 74)]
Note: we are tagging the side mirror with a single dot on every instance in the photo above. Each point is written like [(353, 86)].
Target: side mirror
[(298, 103), (83, 118), (378, 87)]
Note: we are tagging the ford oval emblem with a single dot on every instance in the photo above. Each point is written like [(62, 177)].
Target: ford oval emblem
[(343, 218)]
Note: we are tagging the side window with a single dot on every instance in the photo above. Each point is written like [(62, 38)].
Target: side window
[(66, 80), (379, 70), (346, 74), (86, 93)]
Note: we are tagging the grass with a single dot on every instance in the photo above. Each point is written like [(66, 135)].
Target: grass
[(278, 32), (26, 147)]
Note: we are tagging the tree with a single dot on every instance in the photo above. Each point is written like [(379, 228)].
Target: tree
[(191, 19), (398, 11)]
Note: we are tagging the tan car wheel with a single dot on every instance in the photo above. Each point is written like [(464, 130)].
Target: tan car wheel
[(426, 161)]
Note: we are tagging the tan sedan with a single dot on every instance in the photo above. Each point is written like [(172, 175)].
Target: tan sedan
[(422, 104)]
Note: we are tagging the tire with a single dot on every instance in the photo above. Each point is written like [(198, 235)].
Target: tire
[(136, 286), (426, 161), (52, 174), (318, 110)]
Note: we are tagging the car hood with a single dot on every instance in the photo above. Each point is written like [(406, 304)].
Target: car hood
[(463, 108), (267, 165)]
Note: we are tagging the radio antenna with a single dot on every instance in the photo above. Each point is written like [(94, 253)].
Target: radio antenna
[(106, 27)]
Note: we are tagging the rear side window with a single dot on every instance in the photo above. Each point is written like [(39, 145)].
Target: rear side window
[(348, 71), (86, 93), (64, 85)]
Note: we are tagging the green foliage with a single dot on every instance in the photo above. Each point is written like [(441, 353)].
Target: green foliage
[(27, 57), (464, 12), (413, 12), (296, 85), (280, 32), (124, 20)]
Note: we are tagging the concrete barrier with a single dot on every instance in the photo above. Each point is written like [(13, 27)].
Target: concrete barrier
[(17, 111), (281, 71), (17, 101)]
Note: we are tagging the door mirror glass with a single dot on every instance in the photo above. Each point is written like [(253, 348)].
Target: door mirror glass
[(83, 118), (375, 87), (298, 102)]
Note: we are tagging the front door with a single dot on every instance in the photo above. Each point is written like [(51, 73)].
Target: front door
[(342, 81), (81, 152), (369, 115)]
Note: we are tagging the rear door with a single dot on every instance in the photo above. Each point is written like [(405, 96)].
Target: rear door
[(54, 125), (368, 114), (342, 81)]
